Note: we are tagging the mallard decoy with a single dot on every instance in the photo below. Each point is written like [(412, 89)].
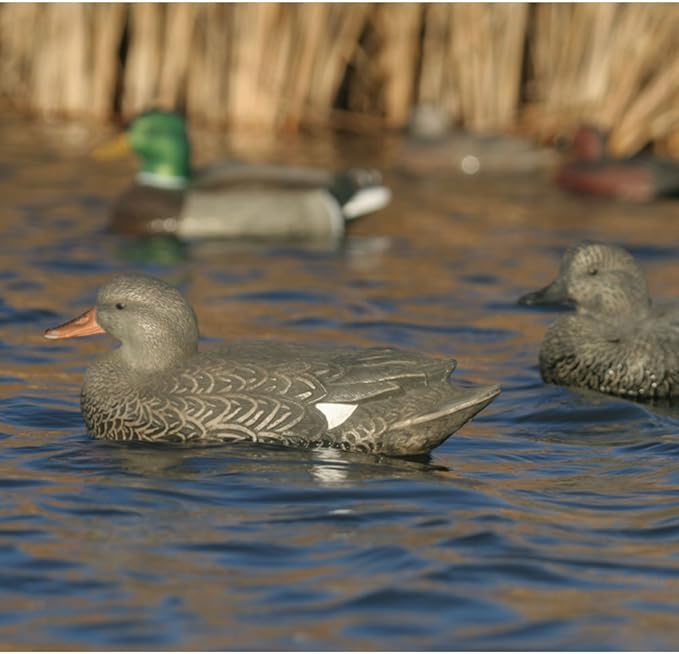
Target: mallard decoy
[(157, 387), (641, 178), (618, 341), (232, 199)]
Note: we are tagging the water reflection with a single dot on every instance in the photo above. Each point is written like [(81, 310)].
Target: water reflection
[(320, 466)]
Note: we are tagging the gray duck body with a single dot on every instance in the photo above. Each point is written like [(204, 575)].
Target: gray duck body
[(249, 202), (618, 341), (156, 387)]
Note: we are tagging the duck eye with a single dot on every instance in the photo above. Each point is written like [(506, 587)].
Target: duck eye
[(120, 306)]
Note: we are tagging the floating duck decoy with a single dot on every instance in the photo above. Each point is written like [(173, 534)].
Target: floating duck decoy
[(231, 199), (432, 147), (618, 341), (641, 178), (157, 387)]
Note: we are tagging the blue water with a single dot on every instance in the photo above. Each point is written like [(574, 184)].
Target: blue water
[(549, 522)]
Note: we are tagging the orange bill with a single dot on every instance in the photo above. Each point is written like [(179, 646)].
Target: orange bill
[(117, 147), (84, 325)]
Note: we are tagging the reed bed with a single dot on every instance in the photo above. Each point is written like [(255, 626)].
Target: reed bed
[(472, 62), (616, 66), (537, 69)]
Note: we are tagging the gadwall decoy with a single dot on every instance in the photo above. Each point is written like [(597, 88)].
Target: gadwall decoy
[(591, 171), (618, 341), (157, 387), (231, 199)]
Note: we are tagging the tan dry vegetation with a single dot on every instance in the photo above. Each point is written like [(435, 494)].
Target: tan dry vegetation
[(538, 69)]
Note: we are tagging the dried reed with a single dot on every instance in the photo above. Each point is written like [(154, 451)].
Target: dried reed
[(492, 67), (615, 66)]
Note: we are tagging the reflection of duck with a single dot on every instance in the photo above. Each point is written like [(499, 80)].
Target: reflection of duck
[(157, 388), (270, 461), (641, 178), (618, 341), (232, 200), (156, 248)]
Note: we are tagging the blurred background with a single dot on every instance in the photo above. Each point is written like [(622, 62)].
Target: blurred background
[(537, 69)]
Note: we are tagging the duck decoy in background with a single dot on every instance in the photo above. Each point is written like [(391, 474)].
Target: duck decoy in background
[(619, 341), (433, 147), (641, 178), (156, 387), (231, 199)]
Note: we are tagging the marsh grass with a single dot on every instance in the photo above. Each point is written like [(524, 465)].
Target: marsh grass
[(537, 69)]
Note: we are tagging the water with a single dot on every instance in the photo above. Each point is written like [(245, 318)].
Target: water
[(551, 521)]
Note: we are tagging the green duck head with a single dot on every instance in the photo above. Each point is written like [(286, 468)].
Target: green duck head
[(160, 140)]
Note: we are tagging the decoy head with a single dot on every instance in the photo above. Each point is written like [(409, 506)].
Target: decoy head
[(160, 139), (588, 143), (154, 323), (596, 277)]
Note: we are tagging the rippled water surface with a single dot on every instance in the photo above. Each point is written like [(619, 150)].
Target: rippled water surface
[(550, 521)]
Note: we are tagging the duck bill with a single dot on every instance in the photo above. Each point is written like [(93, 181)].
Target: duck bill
[(554, 293), (116, 148), (84, 325)]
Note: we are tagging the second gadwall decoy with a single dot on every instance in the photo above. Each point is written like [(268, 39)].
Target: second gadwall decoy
[(231, 199), (618, 341), (157, 387)]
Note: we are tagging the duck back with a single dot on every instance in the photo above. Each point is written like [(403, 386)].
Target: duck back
[(377, 400), (636, 358)]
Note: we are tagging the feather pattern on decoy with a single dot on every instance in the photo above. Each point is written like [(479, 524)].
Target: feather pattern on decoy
[(158, 388), (618, 341)]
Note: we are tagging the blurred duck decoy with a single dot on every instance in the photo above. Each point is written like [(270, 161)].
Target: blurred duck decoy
[(231, 199), (433, 147), (158, 388), (618, 341), (591, 171)]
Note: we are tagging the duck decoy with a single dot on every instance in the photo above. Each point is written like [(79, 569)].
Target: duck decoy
[(231, 199), (432, 147), (618, 341), (157, 387), (591, 171)]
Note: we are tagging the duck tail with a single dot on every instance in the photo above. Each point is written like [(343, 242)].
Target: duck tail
[(416, 421), (422, 433), (366, 201), (360, 192)]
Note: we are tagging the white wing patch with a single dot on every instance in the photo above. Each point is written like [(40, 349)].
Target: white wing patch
[(335, 412)]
